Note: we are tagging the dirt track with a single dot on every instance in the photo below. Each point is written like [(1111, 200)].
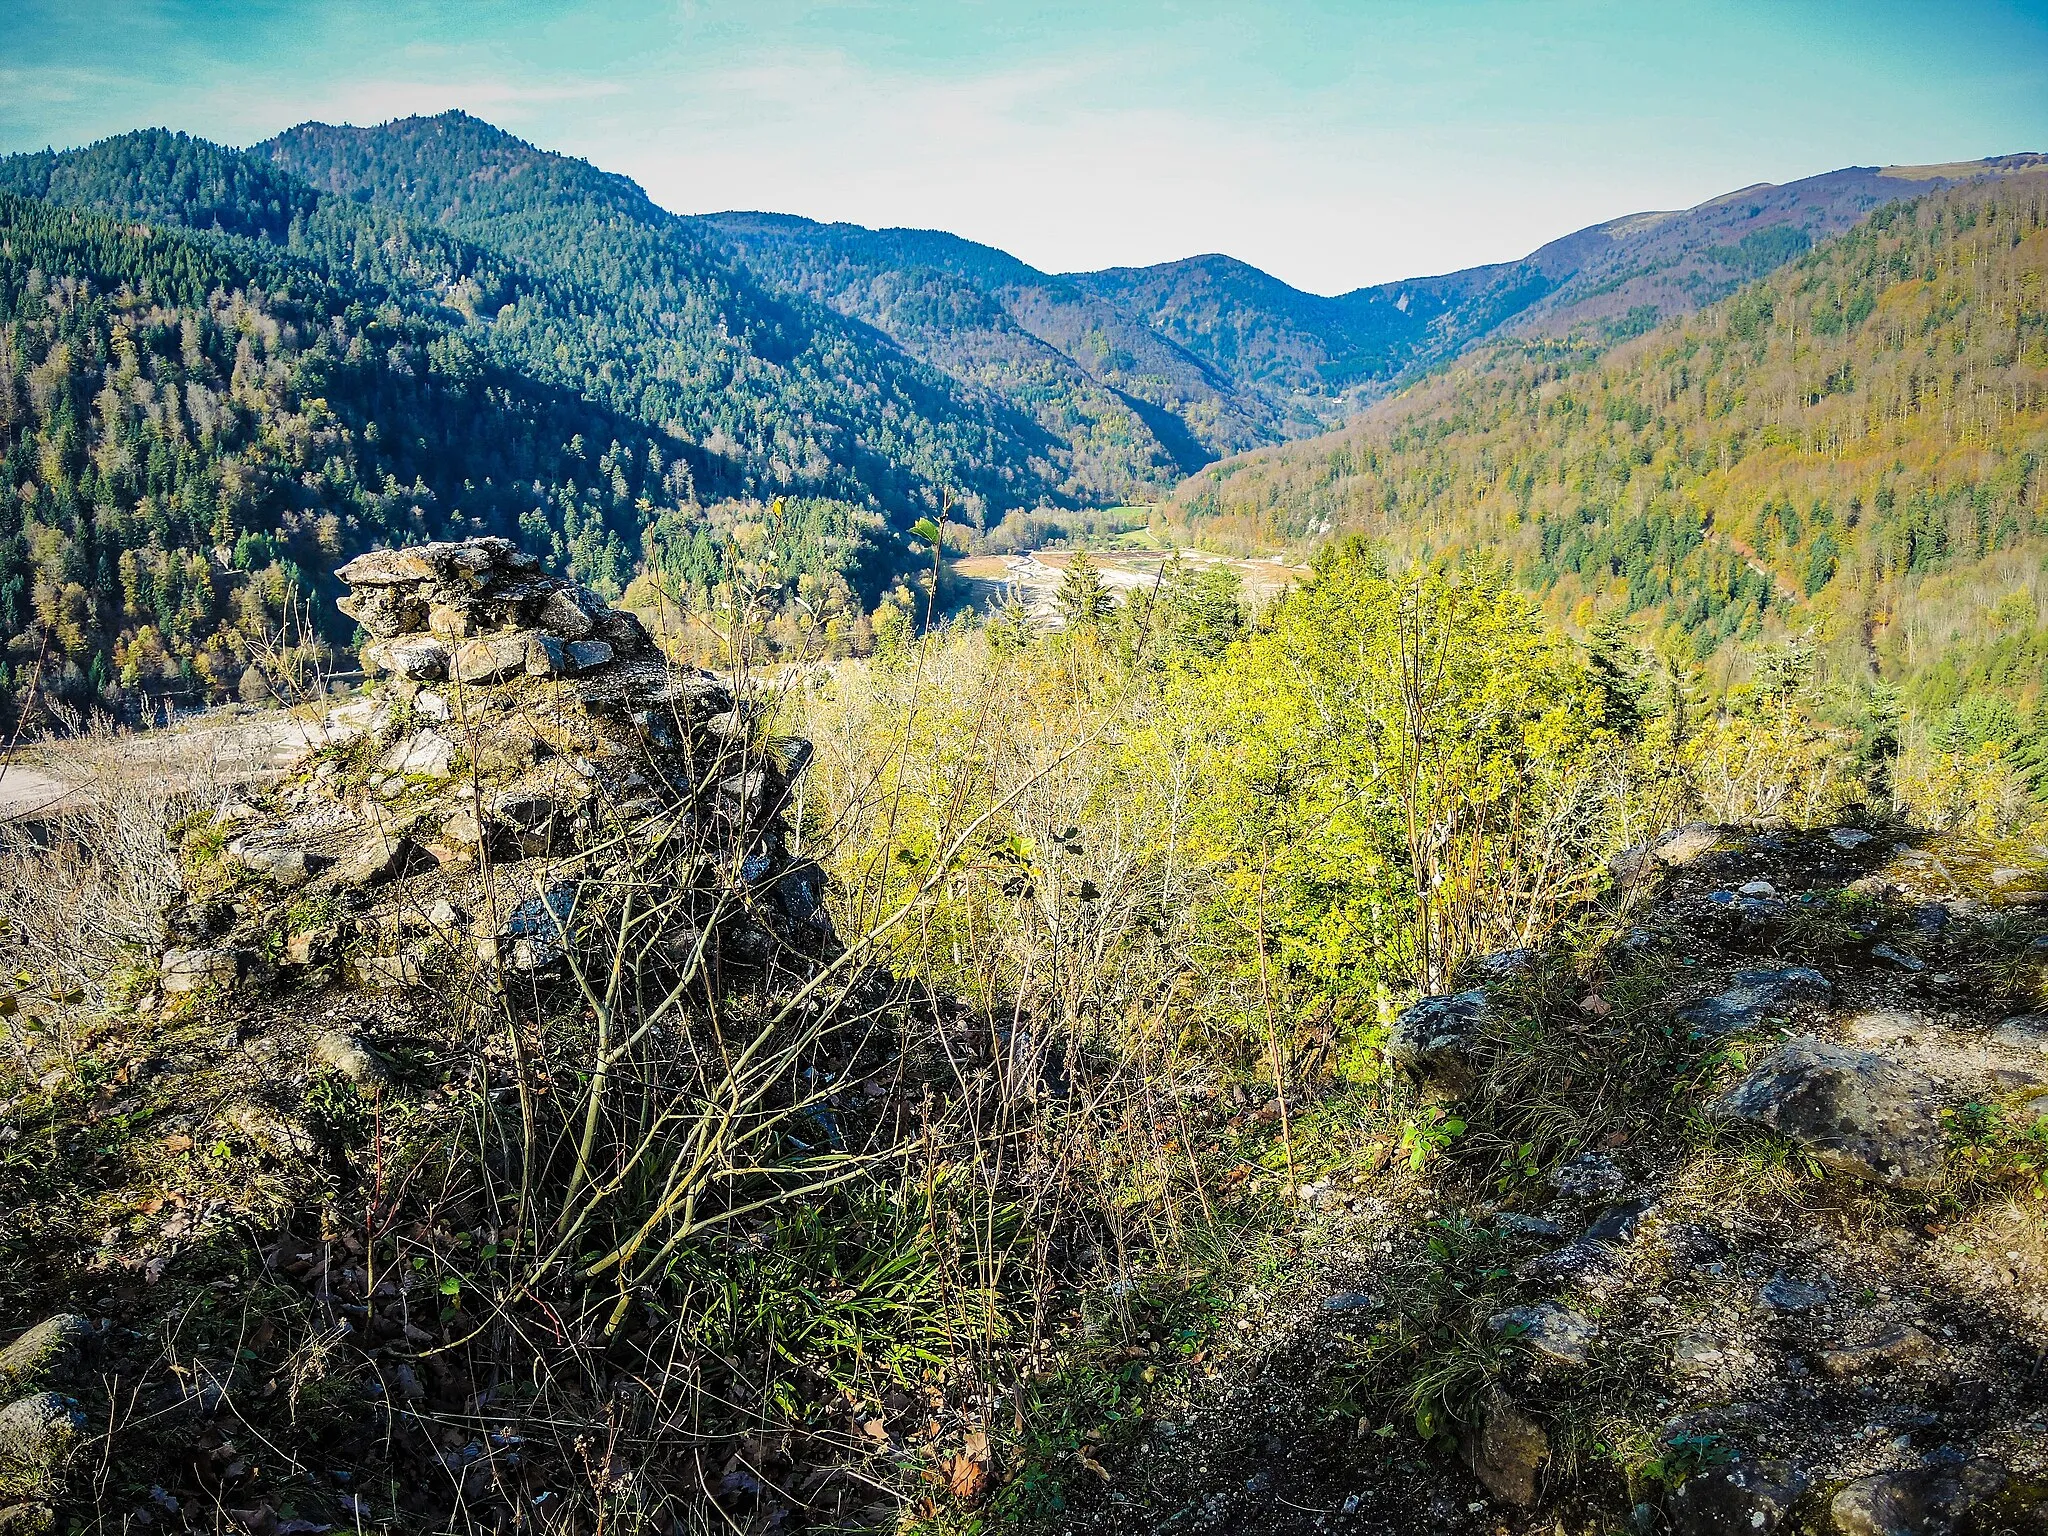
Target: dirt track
[(228, 745), (26, 791)]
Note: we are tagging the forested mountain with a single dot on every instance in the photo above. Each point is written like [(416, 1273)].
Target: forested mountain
[(573, 276), (1138, 410), (1141, 368), (639, 309), (194, 428), (1607, 281), (1848, 453)]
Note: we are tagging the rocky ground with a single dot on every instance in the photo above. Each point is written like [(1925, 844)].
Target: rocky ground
[(361, 951), (1737, 1225)]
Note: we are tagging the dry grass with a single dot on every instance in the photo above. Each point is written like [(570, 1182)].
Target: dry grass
[(83, 890)]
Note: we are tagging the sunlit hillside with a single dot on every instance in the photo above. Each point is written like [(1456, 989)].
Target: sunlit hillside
[(1849, 450)]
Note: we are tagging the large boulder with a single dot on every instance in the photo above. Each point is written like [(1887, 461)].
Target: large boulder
[(1855, 1111), (1433, 1041)]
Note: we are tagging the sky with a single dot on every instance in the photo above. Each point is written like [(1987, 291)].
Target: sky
[(1332, 142)]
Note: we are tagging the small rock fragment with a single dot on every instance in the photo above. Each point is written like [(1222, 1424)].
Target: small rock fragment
[(386, 972), (36, 1436), (741, 797), (1593, 1267), (1739, 1496), (1902, 1346), (1588, 1176), (1555, 1332), (46, 1353), (1754, 995), (1930, 1500), (1506, 1452), (417, 658), (188, 970), (1618, 1224), (1505, 963), (546, 656), (271, 1132), (564, 616), (1519, 1225), (280, 864), (382, 854), (489, 660), (2027, 1032), (453, 621), (424, 754), (1686, 844), (1781, 1293), (342, 1052)]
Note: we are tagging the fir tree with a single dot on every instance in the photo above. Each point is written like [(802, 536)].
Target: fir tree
[(1082, 599)]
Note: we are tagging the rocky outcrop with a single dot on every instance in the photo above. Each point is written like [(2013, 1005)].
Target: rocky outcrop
[(523, 749)]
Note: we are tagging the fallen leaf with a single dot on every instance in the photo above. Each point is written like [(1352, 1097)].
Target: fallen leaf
[(965, 1477), (1092, 1464), (875, 1429)]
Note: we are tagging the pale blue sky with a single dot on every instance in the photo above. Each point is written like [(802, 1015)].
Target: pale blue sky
[(1333, 142)]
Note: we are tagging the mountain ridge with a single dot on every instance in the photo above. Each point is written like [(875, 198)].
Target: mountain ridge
[(1284, 363), (1095, 387)]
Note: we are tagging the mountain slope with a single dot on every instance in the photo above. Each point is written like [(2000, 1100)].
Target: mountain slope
[(194, 427), (1851, 449), (595, 290), (1133, 403), (1607, 281), (675, 336)]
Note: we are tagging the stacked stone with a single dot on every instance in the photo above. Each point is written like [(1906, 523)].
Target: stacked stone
[(524, 727), (481, 611)]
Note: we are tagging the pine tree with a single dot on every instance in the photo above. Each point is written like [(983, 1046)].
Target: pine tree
[(1082, 599), (1618, 666)]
